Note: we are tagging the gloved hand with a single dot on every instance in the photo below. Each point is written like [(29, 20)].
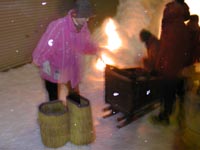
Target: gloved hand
[(46, 67)]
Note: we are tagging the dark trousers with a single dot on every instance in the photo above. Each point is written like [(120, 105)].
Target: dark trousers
[(181, 89), (169, 87), (52, 89)]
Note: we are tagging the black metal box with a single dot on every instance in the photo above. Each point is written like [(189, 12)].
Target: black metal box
[(129, 90)]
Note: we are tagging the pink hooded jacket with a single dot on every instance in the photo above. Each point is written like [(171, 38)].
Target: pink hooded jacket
[(59, 53)]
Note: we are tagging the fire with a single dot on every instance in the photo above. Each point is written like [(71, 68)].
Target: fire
[(107, 59), (114, 41), (100, 65), (113, 44), (101, 62)]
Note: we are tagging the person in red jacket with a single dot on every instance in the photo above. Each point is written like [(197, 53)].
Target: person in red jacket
[(173, 54)]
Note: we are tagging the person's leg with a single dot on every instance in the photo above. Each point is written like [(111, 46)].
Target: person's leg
[(167, 101), (181, 90), (72, 90), (73, 93), (52, 89), (169, 94)]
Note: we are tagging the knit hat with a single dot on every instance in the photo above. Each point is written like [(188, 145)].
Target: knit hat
[(83, 9)]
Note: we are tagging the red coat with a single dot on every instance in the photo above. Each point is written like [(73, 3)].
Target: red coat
[(174, 42)]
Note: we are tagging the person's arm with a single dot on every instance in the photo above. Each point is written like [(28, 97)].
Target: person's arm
[(90, 46)]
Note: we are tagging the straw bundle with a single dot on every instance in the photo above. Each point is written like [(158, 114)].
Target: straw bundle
[(53, 121), (81, 124)]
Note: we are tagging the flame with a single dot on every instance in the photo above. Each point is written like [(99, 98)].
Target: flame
[(113, 44), (101, 62), (107, 60), (100, 65), (114, 41)]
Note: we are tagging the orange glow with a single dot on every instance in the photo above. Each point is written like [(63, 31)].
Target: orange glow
[(113, 44), (101, 62), (114, 41), (107, 60), (100, 65)]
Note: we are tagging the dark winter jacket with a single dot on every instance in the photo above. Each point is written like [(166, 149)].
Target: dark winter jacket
[(174, 44)]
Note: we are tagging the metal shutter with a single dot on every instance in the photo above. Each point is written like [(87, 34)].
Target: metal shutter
[(22, 23)]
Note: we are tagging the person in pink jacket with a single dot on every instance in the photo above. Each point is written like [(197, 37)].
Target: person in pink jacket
[(60, 51)]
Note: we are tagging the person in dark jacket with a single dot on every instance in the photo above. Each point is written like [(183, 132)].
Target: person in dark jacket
[(152, 44), (173, 54), (194, 31)]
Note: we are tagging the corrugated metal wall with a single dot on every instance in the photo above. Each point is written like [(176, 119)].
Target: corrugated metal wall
[(24, 21)]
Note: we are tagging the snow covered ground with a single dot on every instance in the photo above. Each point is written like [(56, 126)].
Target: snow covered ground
[(21, 92)]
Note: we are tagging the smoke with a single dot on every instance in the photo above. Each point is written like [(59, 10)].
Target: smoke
[(131, 17)]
